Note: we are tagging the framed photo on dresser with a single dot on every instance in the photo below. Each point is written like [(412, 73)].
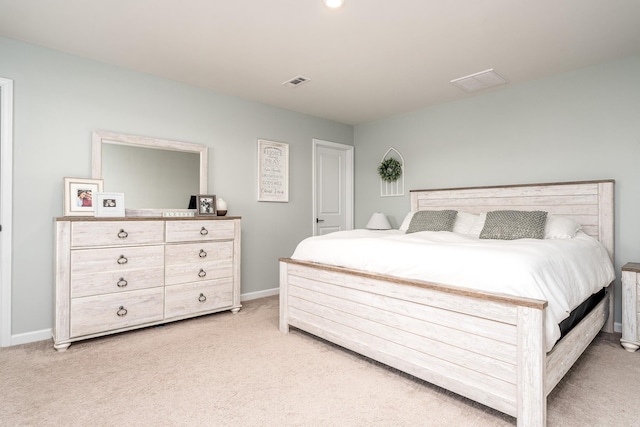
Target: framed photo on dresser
[(206, 204), (79, 194), (109, 204)]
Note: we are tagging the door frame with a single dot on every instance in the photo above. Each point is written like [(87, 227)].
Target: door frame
[(349, 191), (6, 155)]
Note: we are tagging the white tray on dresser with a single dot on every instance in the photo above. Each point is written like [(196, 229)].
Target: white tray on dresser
[(118, 274)]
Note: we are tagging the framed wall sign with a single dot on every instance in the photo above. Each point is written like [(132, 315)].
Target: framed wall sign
[(79, 194), (273, 171), (109, 204)]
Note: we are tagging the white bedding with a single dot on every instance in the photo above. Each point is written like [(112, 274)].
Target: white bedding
[(563, 272)]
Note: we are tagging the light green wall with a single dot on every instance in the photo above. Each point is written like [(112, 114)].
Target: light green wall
[(580, 125), (60, 99)]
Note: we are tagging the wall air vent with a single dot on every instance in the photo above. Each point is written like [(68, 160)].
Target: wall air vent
[(478, 81), (296, 81)]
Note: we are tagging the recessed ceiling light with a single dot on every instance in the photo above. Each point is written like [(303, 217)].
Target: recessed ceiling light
[(334, 4)]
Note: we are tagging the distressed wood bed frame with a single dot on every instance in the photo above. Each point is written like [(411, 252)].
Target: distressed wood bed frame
[(487, 347)]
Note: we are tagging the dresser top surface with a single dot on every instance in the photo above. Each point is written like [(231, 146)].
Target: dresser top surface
[(632, 266), (147, 218)]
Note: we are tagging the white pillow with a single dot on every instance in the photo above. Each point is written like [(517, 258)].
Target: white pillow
[(560, 227), (476, 228), (405, 223), (465, 222)]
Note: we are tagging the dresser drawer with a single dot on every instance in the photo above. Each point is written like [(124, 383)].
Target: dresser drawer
[(101, 313), (99, 271), (105, 282), (109, 233), (182, 300), (193, 231), (90, 261), (195, 262)]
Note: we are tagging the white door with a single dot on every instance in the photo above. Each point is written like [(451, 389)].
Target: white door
[(6, 145), (333, 187)]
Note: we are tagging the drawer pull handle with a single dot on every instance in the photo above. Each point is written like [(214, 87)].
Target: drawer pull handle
[(202, 298), (202, 273), (121, 311), (202, 253), (122, 283), (204, 231), (123, 234), (122, 260)]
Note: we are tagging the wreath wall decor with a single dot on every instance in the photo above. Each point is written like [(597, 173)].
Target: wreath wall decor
[(390, 169)]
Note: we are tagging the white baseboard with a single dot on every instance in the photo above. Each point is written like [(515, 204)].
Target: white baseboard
[(260, 294), (617, 327), (27, 337)]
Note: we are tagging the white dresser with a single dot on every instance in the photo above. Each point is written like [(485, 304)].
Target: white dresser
[(118, 274), (630, 306)]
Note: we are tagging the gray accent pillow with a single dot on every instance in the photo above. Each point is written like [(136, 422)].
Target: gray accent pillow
[(512, 225), (432, 221)]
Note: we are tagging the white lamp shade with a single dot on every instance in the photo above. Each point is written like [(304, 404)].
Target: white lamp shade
[(378, 221)]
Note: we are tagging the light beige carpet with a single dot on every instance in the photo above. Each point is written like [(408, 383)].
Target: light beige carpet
[(239, 370)]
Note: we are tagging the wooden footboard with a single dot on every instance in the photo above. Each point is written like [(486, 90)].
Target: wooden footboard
[(485, 347), (489, 348)]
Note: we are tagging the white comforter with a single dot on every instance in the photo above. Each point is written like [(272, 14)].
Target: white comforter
[(563, 272)]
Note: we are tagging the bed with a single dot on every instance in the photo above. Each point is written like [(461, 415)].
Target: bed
[(490, 347)]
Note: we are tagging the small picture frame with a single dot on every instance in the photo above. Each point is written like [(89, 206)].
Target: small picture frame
[(109, 204), (206, 205), (79, 196)]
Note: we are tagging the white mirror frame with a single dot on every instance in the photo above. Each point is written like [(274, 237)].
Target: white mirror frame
[(105, 137)]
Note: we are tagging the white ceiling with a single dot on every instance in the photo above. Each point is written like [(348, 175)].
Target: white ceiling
[(369, 60)]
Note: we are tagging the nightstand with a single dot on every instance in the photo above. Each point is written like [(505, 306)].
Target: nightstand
[(630, 306)]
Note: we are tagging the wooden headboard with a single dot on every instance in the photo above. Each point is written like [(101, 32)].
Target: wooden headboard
[(590, 203)]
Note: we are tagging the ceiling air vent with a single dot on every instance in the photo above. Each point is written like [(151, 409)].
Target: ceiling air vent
[(478, 81), (296, 81)]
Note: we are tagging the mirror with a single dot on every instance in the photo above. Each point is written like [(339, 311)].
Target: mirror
[(155, 175)]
